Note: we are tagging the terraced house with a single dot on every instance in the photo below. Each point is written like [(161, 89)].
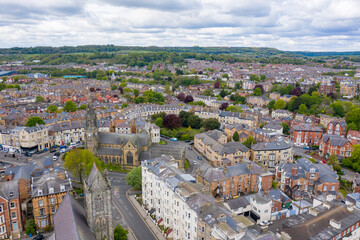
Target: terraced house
[(334, 144), (269, 154), (306, 134), (67, 132), (214, 147)]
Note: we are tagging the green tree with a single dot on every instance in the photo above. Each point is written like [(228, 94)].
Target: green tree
[(194, 121), (254, 77), (123, 84), (234, 109), (249, 142), (271, 104), (80, 162), (52, 109), (223, 93), (83, 107), (211, 123), (70, 106), (280, 104), (158, 115), (114, 87), (257, 92), (338, 109), (39, 99), (32, 121), (116, 106), (236, 136), (136, 92), (30, 227), (352, 126), (124, 105), (120, 233), (158, 122), (184, 115), (333, 161), (302, 109), (133, 178), (286, 128)]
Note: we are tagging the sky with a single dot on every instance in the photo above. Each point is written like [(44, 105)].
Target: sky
[(294, 25)]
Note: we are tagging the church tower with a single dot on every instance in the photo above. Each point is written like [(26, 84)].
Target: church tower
[(91, 129), (98, 213), (112, 80)]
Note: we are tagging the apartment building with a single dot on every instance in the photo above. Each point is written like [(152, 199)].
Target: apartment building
[(67, 132), (269, 154), (280, 114), (348, 89), (34, 138), (10, 139), (337, 127), (334, 144), (304, 178), (47, 194), (305, 134), (214, 147)]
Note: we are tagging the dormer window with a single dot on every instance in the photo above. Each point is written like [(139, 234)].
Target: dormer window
[(51, 190), (312, 170), (62, 188), (11, 194), (40, 192)]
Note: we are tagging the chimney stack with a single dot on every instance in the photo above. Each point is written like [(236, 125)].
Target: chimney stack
[(294, 171), (249, 165)]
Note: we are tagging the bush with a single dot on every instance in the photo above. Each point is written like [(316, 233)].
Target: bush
[(30, 227)]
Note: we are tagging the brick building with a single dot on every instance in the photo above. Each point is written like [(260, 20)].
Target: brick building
[(327, 87), (337, 127), (306, 134), (334, 144)]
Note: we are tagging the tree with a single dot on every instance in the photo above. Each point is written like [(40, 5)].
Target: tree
[(223, 106), (136, 92), (172, 121), (30, 227), (236, 136), (271, 104), (188, 99), (181, 96), (80, 162), (286, 128), (338, 109), (133, 178), (234, 109), (249, 142), (296, 91), (223, 93), (352, 126), (120, 233), (333, 161), (194, 121), (121, 90), (254, 77), (39, 99), (114, 87), (302, 109), (32, 121), (211, 123), (70, 106), (259, 86), (92, 89), (158, 122), (217, 84), (257, 92), (184, 115), (208, 93), (158, 115), (280, 104), (52, 109), (83, 107), (124, 105)]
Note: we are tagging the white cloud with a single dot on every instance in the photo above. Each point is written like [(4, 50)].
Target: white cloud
[(284, 24)]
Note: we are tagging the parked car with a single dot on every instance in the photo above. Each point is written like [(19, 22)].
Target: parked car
[(199, 157), (28, 154), (190, 148), (307, 148), (63, 150), (173, 139), (191, 143), (55, 158), (195, 163), (39, 237), (57, 154), (40, 151), (187, 141), (53, 150)]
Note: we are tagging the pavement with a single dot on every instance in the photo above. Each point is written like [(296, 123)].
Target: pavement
[(127, 213)]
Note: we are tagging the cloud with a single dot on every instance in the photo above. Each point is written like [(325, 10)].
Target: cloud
[(284, 24)]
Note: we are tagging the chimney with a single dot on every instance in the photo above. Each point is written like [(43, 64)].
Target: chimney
[(294, 171), (249, 165)]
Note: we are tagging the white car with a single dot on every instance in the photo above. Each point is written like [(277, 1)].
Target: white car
[(55, 158)]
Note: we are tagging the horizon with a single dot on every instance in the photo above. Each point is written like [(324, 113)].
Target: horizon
[(308, 25)]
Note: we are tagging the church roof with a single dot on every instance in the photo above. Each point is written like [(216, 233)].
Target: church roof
[(92, 175), (70, 221), (138, 140)]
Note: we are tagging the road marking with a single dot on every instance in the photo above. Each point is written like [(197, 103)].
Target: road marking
[(123, 218), (127, 196)]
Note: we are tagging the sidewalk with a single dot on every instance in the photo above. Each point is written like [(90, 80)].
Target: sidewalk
[(148, 220)]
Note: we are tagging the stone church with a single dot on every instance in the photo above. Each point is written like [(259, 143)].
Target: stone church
[(122, 149)]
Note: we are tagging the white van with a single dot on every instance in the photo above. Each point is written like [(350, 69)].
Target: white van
[(55, 158)]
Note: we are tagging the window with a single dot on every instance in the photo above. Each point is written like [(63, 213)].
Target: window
[(51, 190), (12, 205), (2, 219), (40, 192), (13, 215), (53, 210), (62, 188), (52, 200), (42, 212), (1, 209), (41, 203)]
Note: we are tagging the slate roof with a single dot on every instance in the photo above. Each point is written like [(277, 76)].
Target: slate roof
[(307, 127), (110, 151), (239, 202), (269, 146), (138, 140), (46, 181), (70, 221), (23, 171), (335, 140), (9, 189)]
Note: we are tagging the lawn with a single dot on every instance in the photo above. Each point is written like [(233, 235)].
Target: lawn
[(186, 164), (344, 193), (180, 133)]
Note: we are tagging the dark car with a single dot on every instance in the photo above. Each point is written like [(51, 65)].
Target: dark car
[(28, 154), (53, 150), (39, 237), (57, 154), (191, 143), (39, 152), (187, 141)]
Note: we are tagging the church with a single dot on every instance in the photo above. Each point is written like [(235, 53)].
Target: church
[(125, 149)]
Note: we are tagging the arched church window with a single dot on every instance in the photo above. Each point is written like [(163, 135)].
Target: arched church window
[(98, 202), (129, 158)]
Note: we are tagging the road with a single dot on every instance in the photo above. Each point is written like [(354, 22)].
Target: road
[(123, 212)]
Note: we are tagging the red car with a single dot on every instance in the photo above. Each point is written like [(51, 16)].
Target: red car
[(324, 161)]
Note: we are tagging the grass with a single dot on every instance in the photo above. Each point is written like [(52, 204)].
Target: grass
[(186, 164), (162, 142), (312, 160), (113, 167), (181, 133), (344, 193)]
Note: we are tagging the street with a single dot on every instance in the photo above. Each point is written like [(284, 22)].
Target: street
[(124, 212)]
